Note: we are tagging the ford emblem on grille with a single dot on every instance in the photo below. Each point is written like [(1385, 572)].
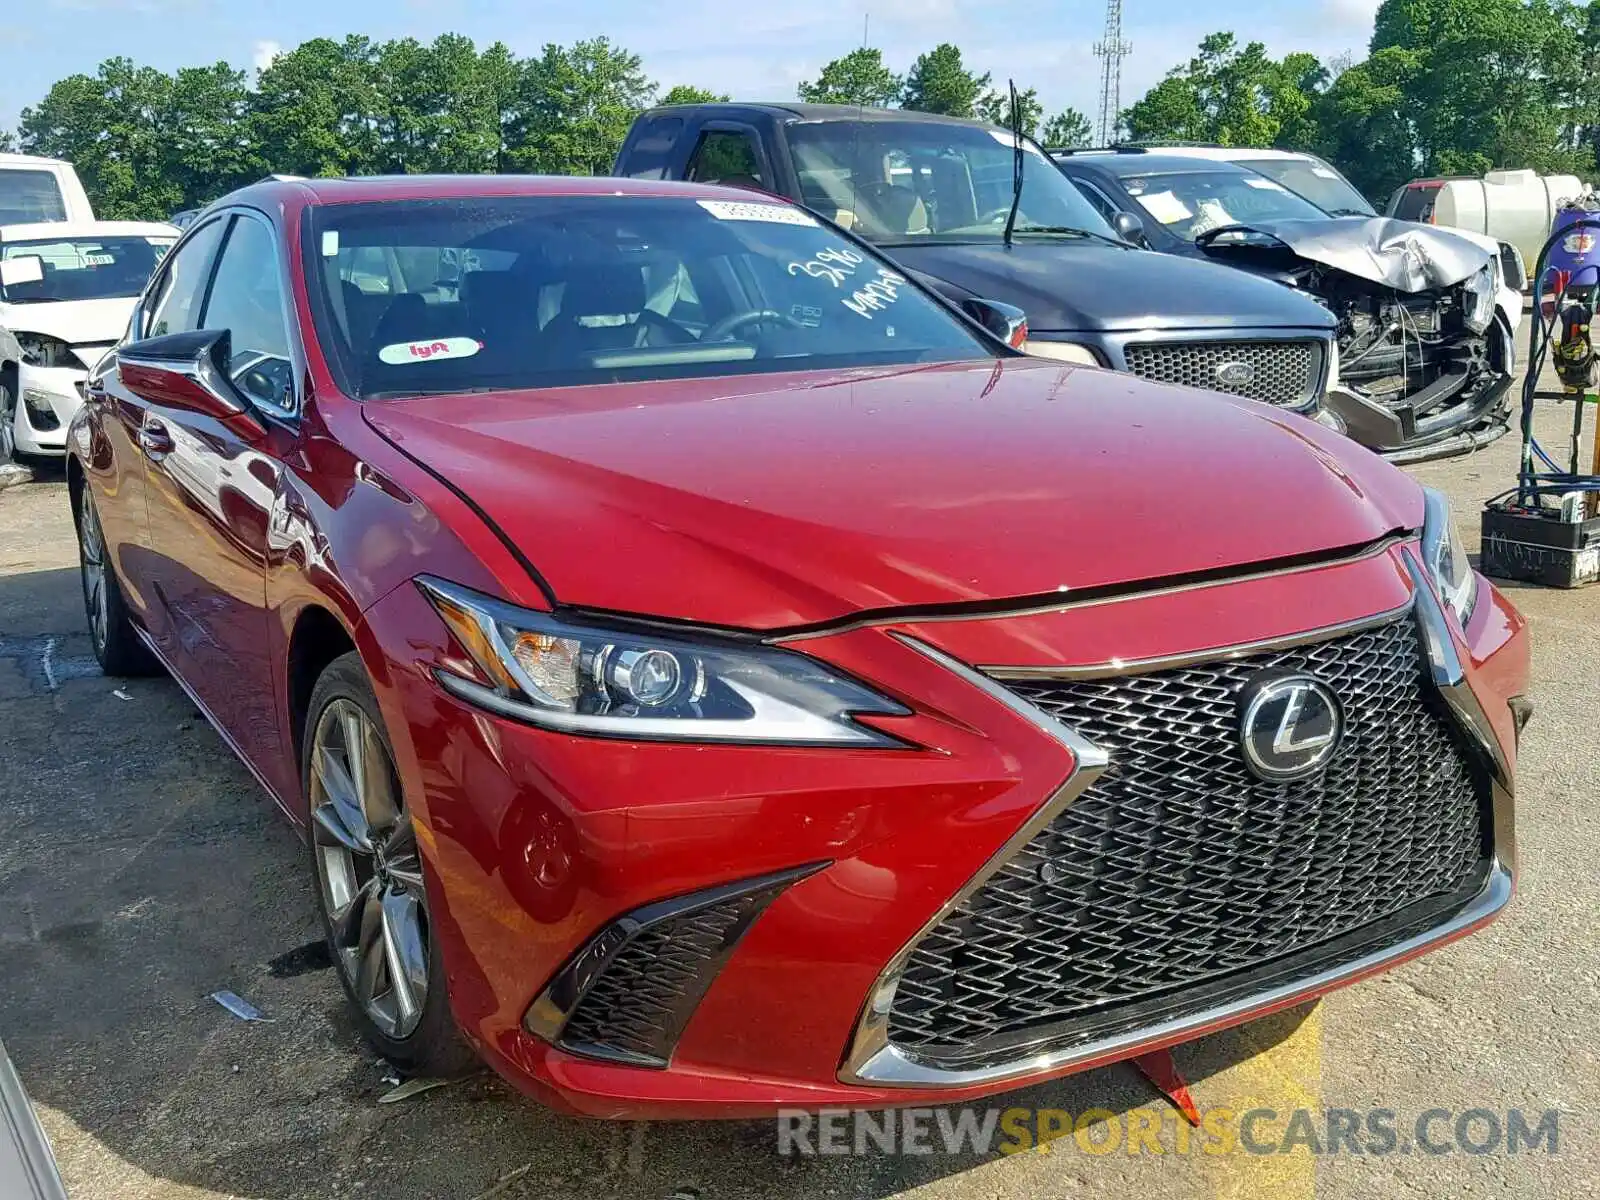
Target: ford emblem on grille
[(1289, 726), (1234, 374)]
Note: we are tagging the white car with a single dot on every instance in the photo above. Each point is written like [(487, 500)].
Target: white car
[(67, 290), (1320, 182)]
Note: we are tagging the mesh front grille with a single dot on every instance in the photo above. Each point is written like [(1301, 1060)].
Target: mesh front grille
[(639, 1005), (1180, 866), (1279, 372)]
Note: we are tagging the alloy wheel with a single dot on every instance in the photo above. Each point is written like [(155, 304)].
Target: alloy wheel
[(92, 561), (368, 869)]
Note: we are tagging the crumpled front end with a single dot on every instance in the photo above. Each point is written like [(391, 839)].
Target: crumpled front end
[(1425, 351)]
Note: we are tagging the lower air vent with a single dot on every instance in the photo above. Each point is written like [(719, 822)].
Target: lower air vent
[(628, 995)]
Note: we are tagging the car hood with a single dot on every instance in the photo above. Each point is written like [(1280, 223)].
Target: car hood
[(76, 322), (1092, 287), (1404, 255), (784, 500)]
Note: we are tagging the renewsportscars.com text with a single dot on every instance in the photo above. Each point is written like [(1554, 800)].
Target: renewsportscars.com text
[(1162, 1130)]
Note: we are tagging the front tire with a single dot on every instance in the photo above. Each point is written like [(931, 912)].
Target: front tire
[(369, 879), (116, 645)]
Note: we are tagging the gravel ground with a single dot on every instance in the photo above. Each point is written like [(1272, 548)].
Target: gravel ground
[(141, 869)]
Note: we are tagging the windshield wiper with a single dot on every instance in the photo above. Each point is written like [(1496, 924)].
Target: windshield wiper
[(1070, 231), (1346, 212)]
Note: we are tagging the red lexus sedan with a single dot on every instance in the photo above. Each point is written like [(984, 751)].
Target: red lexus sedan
[(712, 674)]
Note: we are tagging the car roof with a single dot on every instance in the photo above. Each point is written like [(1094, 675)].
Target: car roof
[(370, 188), (1131, 166), (821, 112), (21, 161), (41, 230)]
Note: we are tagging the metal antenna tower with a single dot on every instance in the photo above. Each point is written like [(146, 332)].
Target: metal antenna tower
[(1113, 50)]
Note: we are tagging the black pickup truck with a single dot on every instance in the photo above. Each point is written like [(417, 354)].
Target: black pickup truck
[(936, 194)]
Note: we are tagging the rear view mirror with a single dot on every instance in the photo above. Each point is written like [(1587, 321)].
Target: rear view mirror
[(188, 372), (1006, 321), (1130, 228)]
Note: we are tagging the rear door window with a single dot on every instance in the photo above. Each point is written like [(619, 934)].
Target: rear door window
[(650, 152), (29, 197), (730, 157), (1416, 203)]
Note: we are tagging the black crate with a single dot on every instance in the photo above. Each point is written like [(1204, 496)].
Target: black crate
[(1535, 547)]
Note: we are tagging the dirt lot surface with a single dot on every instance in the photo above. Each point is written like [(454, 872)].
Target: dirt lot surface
[(141, 869)]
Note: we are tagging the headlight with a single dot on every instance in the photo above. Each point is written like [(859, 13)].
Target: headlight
[(1478, 295), (1446, 558), (636, 683), (40, 350), (1064, 351)]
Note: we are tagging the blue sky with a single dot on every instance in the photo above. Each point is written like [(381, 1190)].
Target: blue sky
[(753, 50)]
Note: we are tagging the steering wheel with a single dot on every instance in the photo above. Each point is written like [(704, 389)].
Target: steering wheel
[(994, 216), (719, 330)]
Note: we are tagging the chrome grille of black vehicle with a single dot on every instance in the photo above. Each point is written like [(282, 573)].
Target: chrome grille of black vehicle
[(1179, 867), (639, 1004), (1283, 373)]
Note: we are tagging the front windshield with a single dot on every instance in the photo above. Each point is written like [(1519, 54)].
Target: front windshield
[(905, 181), (433, 296), (1316, 181), (1190, 203), (78, 268)]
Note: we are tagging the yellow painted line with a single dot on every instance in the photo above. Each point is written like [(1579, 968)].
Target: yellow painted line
[(1283, 1078)]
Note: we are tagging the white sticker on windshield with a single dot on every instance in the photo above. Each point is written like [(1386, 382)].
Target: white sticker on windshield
[(28, 269), (330, 243), (99, 260), (1266, 185), (450, 347), (1165, 207), (773, 214)]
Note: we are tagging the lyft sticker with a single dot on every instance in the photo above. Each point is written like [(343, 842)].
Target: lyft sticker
[(450, 347)]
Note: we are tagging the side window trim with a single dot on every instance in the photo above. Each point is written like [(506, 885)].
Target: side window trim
[(291, 327), (1097, 197)]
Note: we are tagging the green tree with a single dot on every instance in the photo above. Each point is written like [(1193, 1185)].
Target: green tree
[(573, 108), (1232, 95), (8, 144), (939, 82), (317, 109), (684, 93), (1066, 129), (111, 127), (860, 77), (1362, 126), (996, 109)]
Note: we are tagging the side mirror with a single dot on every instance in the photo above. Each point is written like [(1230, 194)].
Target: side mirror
[(1130, 228), (1006, 321), (189, 372)]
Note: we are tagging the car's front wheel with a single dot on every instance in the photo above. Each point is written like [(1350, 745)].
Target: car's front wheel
[(369, 878), (116, 646)]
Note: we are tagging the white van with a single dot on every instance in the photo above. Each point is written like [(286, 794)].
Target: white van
[(38, 190)]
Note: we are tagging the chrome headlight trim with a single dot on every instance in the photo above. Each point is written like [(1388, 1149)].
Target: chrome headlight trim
[(575, 676)]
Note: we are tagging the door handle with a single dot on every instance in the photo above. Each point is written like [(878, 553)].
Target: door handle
[(154, 439)]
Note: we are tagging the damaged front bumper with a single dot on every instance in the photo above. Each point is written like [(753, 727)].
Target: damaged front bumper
[(1463, 407)]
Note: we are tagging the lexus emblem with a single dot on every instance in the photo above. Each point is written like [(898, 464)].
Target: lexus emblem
[(1289, 726), (1234, 374)]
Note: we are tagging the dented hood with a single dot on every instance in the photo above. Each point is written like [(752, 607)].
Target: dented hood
[(1404, 255)]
